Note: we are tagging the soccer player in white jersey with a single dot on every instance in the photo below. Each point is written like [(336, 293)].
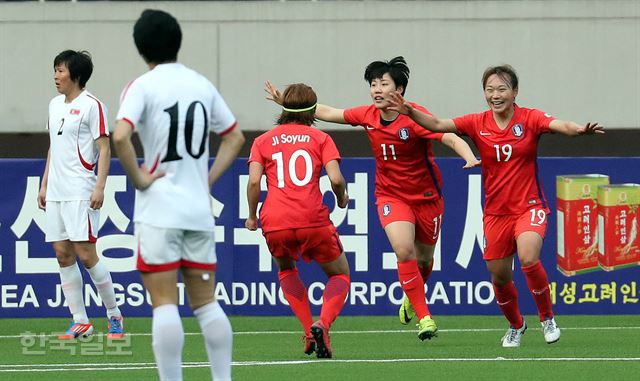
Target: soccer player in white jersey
[(72, 194), (173, 109)]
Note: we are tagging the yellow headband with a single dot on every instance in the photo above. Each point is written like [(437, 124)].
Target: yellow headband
[(299, 109)]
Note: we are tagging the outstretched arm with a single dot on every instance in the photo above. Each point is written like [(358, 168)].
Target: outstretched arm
[(430, 122), (463, 150), (338, 185), (253, 194), (574, 129), (323, 112)]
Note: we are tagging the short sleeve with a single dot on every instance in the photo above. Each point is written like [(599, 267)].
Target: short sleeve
[(255, 155), (465, 124), (356, 116), (541, 121), (329, 150), (98, 119), (222, 120), (132, 104)]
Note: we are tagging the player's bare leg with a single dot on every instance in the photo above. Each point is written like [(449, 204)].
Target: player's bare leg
[(215, 326), (166, 327), (295, 292), (401, 235), (529, 247)]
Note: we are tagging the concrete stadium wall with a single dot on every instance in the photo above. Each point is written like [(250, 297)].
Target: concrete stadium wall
[(577, 60)]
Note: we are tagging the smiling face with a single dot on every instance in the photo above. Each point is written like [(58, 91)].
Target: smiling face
[(380, 89), (500, 94), (62, 79)]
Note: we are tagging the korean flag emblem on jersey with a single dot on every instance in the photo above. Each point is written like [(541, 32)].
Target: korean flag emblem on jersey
[(403, 134), (517, 130)]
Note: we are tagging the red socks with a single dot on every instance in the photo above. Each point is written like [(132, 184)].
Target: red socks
[(413, 286), (507, 298), (539, 286), (333, 298), (296, 294)]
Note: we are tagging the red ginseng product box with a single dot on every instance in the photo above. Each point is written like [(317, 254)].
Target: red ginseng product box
[(618, 242), (577, 212)]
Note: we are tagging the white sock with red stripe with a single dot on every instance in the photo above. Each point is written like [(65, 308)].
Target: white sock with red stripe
[(102, 279), (218, 338), (167, 341), (71, 283)]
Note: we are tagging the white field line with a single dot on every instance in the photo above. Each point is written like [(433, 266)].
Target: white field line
[(338, 332), (146, 365)]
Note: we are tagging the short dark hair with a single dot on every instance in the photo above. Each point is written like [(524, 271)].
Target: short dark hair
[(506, 72), (396, 67), (78, 63), (158, 36), (298, 97)]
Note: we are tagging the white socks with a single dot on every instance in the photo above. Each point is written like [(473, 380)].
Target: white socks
[(168, 340), (218, 338), (102, 279), (71, 282)]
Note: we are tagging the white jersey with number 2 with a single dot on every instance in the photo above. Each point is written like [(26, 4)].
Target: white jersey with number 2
[(73, 129), (173, 109)]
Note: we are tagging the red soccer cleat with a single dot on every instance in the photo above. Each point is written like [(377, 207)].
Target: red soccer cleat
[(323, 343)]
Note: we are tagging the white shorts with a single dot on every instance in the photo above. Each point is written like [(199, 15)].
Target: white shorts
[(71, 220), (163, 249)]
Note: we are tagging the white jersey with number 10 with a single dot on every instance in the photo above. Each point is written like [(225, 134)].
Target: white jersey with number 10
[(173, 109)]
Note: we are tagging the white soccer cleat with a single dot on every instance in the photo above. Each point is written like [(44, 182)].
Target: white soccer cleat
[(550, 330), (512, 338)]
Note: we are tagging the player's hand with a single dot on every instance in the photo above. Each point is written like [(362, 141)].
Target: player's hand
[(42, 198), (251, 223), (472, 164), (590, 129), (399, 104), (97, 198), (274, 93), (146, 178), (343, 201)]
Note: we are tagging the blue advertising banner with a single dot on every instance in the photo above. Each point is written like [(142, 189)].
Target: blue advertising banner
[(247, 278)]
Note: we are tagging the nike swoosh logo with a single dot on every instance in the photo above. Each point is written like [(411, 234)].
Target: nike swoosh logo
[(502, 304), (482, 133), (410, 280)]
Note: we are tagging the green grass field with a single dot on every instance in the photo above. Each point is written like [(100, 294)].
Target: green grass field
[(365, 348)]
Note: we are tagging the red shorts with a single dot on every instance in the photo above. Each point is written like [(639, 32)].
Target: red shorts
[(426, 217), (322, 244), (501, 232)]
